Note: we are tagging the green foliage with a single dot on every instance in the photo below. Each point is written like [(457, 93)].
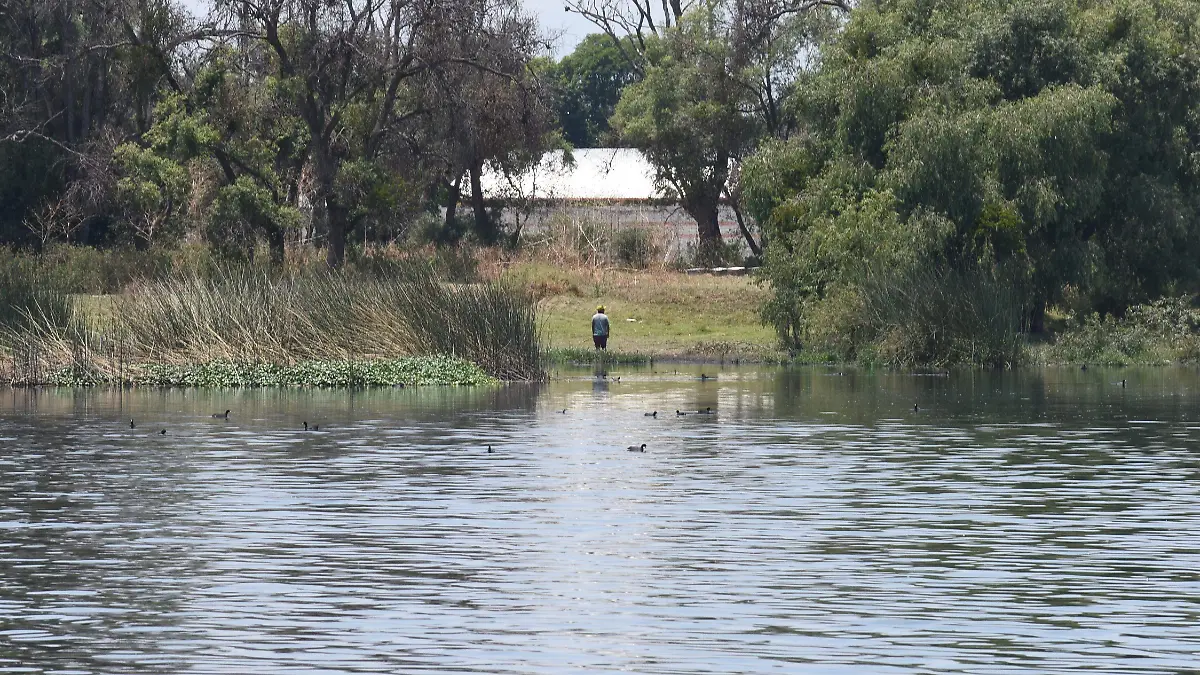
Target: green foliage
[(152, 193), (634, 247), (1167, 329), (1053, 140), (588, 84), (925, 316), (686, 117), (239, 212), (28, 295), (408, 371)]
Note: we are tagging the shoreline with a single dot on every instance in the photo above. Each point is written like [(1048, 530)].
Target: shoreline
[(408, 371)]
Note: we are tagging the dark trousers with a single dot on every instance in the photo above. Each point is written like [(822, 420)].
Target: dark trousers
[(601, 341)]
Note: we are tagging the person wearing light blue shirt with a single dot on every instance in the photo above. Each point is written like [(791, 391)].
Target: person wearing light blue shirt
[(600, 328)]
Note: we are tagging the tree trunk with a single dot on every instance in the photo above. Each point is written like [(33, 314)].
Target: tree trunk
[(337, 217), (275, 241), (706, 213), (754, 247), (1037, 317), (455, 193), (483, 225)]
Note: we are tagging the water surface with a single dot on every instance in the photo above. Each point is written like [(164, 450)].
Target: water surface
[(1041, 521)]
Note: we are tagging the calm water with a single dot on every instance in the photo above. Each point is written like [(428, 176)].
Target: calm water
[(1045, 521)]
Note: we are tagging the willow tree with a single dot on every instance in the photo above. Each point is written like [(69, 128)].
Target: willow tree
[(1052, 141)]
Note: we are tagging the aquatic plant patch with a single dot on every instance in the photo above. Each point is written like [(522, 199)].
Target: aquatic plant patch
[(405, 371)]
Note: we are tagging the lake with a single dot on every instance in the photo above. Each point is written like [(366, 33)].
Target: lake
[(1033, 521)]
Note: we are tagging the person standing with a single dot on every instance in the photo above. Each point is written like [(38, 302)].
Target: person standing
[(600, 328)]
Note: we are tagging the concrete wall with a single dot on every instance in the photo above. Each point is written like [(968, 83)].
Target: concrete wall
[(672, 223)]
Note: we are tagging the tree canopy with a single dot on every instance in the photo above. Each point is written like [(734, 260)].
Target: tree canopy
[(1054, 143)]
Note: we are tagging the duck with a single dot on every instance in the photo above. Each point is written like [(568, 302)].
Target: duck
[(916, 408), (163, 432), (679, 412), (651, 414), (637, 448), (707, 377), (490, 449), (706, 411), (131, 424), (221, 416), (562, 412)]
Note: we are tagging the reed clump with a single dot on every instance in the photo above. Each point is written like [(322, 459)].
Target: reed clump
[(246, 317)]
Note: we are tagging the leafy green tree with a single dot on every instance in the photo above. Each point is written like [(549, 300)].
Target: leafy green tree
[(1051, 140), (712, 80), (686, 117), (588, 84)]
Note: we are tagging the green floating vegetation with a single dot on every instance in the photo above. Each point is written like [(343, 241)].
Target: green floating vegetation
[(406, 371)]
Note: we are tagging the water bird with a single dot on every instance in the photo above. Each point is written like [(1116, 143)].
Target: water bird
[(562, 412), (707, 377), (637, 448), (163, 432), (221, 416), (706, 411), (1083, 367), (680, 413), (490, 449), (131, 424), (916, 408), (651, 414)]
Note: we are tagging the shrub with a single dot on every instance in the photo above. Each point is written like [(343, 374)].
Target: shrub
[(1168, 328), (927, 316), (635, 247)]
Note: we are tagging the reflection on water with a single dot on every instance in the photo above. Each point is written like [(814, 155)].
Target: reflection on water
[(1040, 521)]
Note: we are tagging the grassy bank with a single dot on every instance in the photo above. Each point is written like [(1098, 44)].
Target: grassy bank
[(653, 313)]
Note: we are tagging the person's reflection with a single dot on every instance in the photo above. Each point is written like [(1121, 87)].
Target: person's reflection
[(599, 378)]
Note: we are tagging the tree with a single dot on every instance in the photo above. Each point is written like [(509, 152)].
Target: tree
[(588, 84), (686, 118), (726, 66), (76, 79), (1048, 143), (486, 106)]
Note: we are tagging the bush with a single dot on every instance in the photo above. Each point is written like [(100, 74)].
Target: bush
[(635, 247), (724, 253), (29, 294), (927, 316), (920, 316), (1166, 329)]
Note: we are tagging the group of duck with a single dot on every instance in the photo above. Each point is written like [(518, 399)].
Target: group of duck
[(654, 414), (223, 416)]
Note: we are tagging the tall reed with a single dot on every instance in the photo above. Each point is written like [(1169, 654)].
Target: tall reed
[(940, 317), (332, 315)]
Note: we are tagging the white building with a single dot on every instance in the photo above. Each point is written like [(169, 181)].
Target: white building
[(612, 188)]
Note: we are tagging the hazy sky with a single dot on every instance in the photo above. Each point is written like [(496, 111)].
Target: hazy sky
[(570, 28)]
